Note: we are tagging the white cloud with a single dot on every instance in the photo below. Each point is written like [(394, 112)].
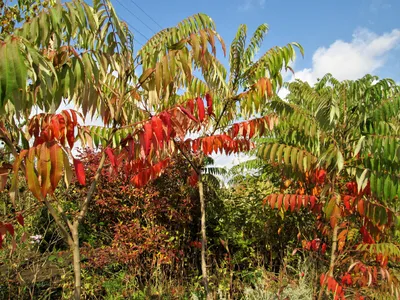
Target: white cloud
[(228, 161), (351, 60), (246, 5)]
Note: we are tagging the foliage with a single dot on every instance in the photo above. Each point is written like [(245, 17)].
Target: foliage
[(338, 157), (327, 164)]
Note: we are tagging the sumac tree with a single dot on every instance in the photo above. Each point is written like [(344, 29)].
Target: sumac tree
[(338, 149)]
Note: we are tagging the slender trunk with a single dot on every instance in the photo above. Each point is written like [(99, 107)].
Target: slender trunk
[(332, 262), (203, 236), (76, 261), (334, 247)]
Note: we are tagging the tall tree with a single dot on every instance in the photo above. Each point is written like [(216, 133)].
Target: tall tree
[(240, 93), (338, 147)]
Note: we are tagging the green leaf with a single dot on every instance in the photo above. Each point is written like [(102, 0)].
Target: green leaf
[(287, 155), (68, 170), (329, 208), (359, 145), (339, 160), (361, 179), (30, 173)]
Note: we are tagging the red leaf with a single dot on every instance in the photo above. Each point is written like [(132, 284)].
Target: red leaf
[(147, 135), (80, 172), (190, 105), (367, 238), (322, 279), (10, 228), (20, 219), (252, 129), (193, 179), (166, 119), (70, 129), (209, 104), (55, 127), (111, 156), (195, 145), (235, 130), (312, 201), (74, 116), (323, 248), (320, 175), (156, 123), (244, 128), (200, 107), (346, 202), (186, 112)]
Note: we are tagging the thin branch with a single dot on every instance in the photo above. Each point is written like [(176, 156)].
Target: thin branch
[(62, 214), (59, 223), (195, 168), (85, 204)]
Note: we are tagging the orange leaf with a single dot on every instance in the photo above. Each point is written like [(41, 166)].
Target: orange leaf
[(44, 169), (293, 202), (272, 201), (286, 202), (360, 207), (280, 198), (298, 202)]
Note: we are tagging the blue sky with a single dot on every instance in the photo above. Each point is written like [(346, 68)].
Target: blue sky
[(347, 38)]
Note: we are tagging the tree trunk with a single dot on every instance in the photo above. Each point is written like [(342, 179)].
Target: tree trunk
[(203, 236), (334, 247), (332, 262), (76, 261)]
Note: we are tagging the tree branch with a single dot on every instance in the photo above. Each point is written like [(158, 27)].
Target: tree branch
[(92, 189), (59, 223)]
